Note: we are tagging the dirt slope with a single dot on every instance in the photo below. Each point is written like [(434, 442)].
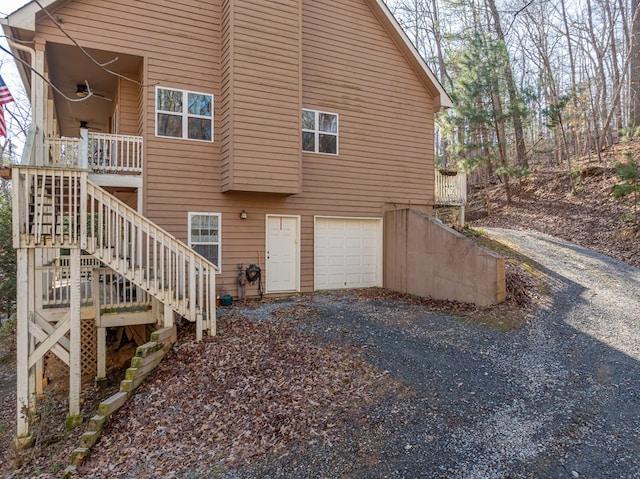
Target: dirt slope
[(589, 216)]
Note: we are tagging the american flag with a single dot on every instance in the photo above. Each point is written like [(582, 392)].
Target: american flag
[(5, 97)]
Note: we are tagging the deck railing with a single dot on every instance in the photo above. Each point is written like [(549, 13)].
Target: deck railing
[(451, 189), (113, 290), (105, 153)]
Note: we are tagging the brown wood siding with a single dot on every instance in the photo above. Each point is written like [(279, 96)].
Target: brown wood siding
[(349, 66), (261, 78), (128, 107)]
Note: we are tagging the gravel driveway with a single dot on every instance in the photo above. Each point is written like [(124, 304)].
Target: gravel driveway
[(558, 397)]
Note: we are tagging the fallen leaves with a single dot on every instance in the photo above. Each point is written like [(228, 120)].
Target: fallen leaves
[(253, 390)]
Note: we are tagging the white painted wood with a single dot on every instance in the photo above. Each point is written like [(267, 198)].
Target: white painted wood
[(22, 343), (33, 380), (48, 340), (451, 190), (347, 253), (168, 316), (282, 269), (38, 94), (83, 159), (75, 335), (101, 358)]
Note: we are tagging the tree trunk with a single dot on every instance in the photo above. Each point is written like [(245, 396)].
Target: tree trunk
[(514, 98), (634, 69)]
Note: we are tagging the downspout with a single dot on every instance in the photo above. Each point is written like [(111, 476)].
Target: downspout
[(34, 99)]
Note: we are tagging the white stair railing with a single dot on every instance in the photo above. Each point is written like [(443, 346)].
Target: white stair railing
[(60, 208), (48, 210), (151, 258)]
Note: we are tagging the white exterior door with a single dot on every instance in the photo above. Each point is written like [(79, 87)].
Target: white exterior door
[(283, 254), (347, 253)]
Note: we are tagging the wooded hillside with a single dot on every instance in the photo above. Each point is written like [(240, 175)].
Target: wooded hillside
[(535, 83)]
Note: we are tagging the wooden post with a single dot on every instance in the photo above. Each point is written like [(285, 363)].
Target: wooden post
[(168, 316), (74, 418), (33, 379), (23, 438), (102, 355), (38, 95), (84, 148), (211, 307), (101, 358)]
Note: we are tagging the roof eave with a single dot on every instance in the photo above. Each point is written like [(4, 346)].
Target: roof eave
[(443, 99), (25, 17)]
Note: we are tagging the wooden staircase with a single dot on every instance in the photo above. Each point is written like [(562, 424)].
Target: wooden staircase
[(59, 208), (66, 210)]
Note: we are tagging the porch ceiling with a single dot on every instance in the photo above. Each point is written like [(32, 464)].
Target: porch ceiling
[(68, 67)]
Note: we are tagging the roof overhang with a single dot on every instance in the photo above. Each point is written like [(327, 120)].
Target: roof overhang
[(24, 18), (390, 23)]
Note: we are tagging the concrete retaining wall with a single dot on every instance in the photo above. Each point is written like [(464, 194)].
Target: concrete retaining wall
[(428, 259)]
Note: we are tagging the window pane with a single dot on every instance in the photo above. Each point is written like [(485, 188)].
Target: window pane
[(199, 128), (328, 123), (169, 100), (308, 120), (169, 125), (199, 104), (328, 144), (308, 141), (209, 251)]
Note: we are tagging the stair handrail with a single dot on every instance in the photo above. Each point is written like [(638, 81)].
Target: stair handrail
[(150, 257)]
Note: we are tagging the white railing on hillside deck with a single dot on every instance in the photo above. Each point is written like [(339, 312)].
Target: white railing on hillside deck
[(60, 208), (106, 153), (451, 189)]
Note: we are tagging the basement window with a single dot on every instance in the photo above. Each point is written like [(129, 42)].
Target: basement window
[(184, 114), (204, 235), (319, 132)]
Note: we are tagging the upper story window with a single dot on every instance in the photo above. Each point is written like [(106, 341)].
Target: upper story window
[(204, 235), (319, 132), (184, 114)]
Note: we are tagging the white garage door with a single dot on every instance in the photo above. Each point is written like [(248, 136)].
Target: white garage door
[(347, 253)]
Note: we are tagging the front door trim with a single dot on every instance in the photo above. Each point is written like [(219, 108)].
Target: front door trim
[(295, 270)]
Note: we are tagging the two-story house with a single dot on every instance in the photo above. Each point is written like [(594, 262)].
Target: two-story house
[(176, 143)]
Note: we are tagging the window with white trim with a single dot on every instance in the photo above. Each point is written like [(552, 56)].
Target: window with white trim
[(204, 235), (319, 132), (184, 114)]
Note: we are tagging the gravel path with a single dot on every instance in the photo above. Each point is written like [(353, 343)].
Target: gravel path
[(557, 398)]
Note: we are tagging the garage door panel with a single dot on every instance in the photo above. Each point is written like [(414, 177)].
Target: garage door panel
[(348, 252)]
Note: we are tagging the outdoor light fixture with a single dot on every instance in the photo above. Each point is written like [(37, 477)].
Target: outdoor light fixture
[(82, 90), (243, 215)]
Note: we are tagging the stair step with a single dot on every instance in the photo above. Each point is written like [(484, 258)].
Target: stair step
[(112, 404)]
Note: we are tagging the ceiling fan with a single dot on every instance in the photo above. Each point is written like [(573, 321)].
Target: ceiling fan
[(85, 124), (82, 91)]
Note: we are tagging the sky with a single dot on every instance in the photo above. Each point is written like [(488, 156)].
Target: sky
[(7, 66), (8, 70)]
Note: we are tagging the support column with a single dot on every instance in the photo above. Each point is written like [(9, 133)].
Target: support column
[(102, 355), (23, 437), (38, 95), (101, 373), (33, 379), (75, 372), (168, 316)]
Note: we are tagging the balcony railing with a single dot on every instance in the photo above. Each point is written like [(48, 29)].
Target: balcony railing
[(451, 189), (114, 291), (105, 153)]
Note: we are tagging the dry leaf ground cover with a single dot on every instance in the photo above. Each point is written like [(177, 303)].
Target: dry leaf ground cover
[(589, 216)]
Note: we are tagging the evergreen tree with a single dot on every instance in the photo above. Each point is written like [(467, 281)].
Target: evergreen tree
[(7, 256)]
